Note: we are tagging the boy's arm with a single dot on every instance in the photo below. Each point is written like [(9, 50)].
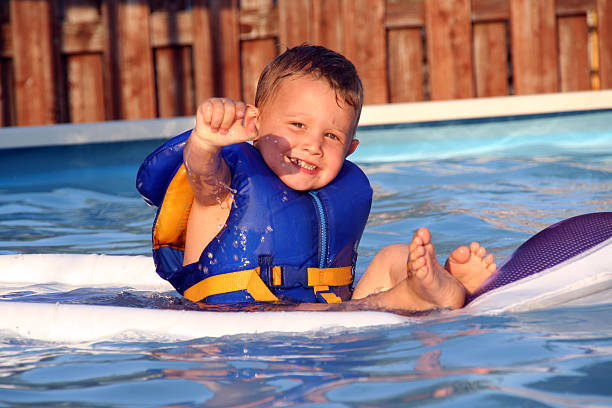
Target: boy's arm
[(207, 172), (218, 124)]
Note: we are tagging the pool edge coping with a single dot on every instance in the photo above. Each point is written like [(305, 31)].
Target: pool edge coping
[(489, 107)]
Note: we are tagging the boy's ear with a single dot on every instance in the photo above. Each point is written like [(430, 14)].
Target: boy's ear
[(354, 144), (251, 122)]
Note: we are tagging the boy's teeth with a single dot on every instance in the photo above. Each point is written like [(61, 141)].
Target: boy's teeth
[(303, 164)]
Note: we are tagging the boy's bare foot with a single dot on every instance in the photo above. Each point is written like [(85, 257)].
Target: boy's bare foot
[(471, 266), (423, 283), (428, 278)]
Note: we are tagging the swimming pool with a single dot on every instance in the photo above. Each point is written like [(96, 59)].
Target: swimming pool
[(495, 180)]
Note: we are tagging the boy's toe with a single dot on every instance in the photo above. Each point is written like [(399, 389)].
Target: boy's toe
[(424, 234), (460, 255)]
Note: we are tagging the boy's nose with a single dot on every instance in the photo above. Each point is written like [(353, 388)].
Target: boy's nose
[(312, 143)]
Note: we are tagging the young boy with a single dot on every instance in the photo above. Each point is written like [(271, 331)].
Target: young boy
[(281, 220)]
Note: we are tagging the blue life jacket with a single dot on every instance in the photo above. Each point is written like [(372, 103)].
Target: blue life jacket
[(278, 244)]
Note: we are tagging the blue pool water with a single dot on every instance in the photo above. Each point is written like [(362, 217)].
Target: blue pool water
[(495, 181)]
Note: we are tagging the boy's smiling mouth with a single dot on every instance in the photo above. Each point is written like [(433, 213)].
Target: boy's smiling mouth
[(301, 163)]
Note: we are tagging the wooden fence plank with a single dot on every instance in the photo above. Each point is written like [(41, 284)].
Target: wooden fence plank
[(110, 73), (534, 47), (574, 54), (450, 66), (171, 28), (35, 93), (604, 25), (327, 24), (365, 45), (225, 44), (258, 19), (255, 55), (490, 59), (83, 30), (203, 64), (167, 87), (85, 88), (404, 14), (573, 7), (134, 59), (405, 65), (175, 96), (258, 32), (490, 10), (294, 22), (171, 34), (83, 36)]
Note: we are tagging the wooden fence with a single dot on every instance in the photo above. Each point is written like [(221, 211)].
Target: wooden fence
[(96, 60)]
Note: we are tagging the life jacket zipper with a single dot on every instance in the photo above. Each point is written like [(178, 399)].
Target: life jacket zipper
[(322, 228)]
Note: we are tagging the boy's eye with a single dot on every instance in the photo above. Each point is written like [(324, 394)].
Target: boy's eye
[(332, 136), (298, 125)]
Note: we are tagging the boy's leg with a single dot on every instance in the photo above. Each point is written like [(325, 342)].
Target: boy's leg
[(471, 266), (386, 270), (426, 285), (409, 277)]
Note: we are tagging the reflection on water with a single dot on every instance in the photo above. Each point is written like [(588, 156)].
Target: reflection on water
[(486, 361)]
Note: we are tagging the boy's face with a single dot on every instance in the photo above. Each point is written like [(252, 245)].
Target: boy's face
[(305, 134)]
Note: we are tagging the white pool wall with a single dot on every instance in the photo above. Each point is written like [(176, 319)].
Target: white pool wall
[(393, 113), (458, 109)]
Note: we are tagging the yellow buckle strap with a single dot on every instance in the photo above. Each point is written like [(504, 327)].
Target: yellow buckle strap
[(329, 297), (330, 276), (248, 280), (319, 278), (322, 278), (277, 275)]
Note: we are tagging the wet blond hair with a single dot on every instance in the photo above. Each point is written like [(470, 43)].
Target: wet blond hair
[(320, 63)]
